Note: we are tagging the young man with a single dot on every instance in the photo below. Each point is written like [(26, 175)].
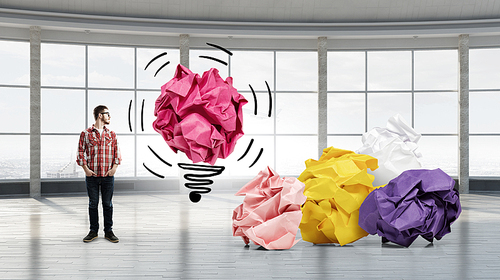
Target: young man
[(99, 155)]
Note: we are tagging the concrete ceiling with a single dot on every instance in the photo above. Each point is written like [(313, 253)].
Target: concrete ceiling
[(290, 11), (260, 17)]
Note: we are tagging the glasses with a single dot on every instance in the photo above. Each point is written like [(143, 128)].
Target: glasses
[(109, 115)]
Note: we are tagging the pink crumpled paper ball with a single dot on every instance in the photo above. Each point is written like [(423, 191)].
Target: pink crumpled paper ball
[(270, 214), (200, 116)]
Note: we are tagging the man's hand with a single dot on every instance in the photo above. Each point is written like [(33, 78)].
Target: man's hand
[(88, 172), (112, 171)]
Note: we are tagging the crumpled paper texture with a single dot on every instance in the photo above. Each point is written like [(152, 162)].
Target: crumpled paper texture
[(270, 213), (395, 148), (336, 185), (416, 203), (200, 116)]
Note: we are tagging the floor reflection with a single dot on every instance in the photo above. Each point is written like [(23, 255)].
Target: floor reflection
[(35, 248), (183, 246), (462, 225), (166, 236)]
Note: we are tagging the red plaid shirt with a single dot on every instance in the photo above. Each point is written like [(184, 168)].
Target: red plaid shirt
[(98, 152)]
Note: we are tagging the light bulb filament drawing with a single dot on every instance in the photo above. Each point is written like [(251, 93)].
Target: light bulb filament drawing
[(198, 177)]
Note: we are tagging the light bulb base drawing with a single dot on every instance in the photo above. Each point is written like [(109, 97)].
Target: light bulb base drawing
[(198, 182)]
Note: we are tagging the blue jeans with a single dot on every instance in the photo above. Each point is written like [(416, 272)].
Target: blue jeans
[(107, 187)]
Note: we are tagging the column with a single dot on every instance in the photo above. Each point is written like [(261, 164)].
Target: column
[(463, 120), (322, 95), (35, 113), (184, 61), (184, 50)]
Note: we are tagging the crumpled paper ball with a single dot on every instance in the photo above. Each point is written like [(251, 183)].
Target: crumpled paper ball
[(417, 202), (395, 148), (336, 185), (270, 213), (200, 116)]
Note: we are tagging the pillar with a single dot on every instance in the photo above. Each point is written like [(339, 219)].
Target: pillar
[(184, 61), (35, 112), (463, 109), (184, 50), (322, 95)]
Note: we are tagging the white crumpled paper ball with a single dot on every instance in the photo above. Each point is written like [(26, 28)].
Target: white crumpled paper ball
[(395, 148)]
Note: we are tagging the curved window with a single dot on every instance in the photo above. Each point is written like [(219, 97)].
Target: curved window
[(365, 88)]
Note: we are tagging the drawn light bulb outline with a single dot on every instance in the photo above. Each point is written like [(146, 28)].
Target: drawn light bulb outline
[(198, 182)]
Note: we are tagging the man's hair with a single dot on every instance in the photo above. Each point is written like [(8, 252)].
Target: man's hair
[(99, 109)]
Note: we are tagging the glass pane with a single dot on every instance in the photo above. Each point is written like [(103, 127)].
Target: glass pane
[(484, 72), (63, 110), (14, 157), (439, 152), (63, 65), (59, 157), (260, 123), (111, 67), (346, 71), (254, 68), (118, 104), (200, 65), (484, 117), (436, 112), (242, 167), (292, 152), (146, 156), (382, 106), (297, 113), (148, 117), (436, 70), (346, 113), (351, 143), (146, 77), (297, 71), (127, 149), (484, 155), (389, 70), (15, 63), (15, 107)]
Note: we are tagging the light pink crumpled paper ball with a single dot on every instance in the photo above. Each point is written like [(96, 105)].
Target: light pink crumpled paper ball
[(270, 214), (200, 116)]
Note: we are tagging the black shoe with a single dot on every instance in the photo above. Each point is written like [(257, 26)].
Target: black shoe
[(111, 236), (91, 236), (384, 240)]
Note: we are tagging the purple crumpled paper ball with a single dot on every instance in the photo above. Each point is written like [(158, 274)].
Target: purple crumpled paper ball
[(417, 202)]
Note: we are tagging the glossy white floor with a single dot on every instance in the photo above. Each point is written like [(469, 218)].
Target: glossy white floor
[(166, 236)]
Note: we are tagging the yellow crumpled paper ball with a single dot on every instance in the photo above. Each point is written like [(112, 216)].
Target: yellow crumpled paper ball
[(336, 185)]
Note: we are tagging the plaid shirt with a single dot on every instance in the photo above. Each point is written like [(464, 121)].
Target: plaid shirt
[(98, 153)]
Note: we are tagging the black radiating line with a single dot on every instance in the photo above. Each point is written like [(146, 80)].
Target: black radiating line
[(154, 153), (129, 119), (155, 58), (152, 172), (254, 99), (214, 59), (270, 100), (220, 48), (248, 149), (168, 62), (142, 115), (258, 157)]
